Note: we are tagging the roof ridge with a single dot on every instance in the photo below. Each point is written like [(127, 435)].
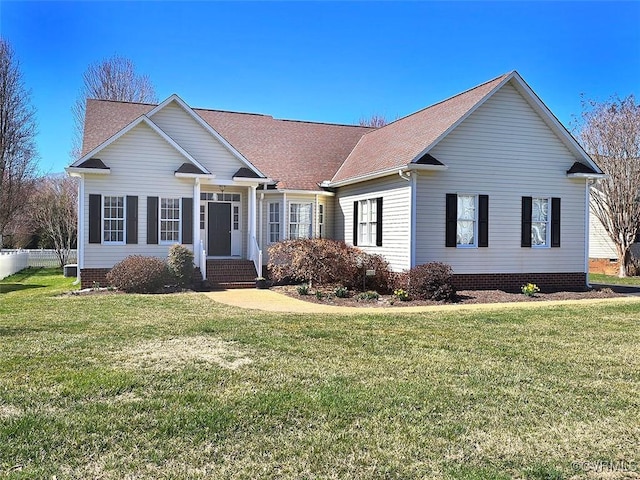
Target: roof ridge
[(123, 101), (468, 90)]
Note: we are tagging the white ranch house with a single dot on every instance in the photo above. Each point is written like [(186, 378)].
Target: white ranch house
[(488, 181)]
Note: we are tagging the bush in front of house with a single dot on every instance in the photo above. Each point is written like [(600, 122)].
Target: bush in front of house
[(321, 261), (317, 261), (431, 281), (180, 264), (382, 279), (139, 274)]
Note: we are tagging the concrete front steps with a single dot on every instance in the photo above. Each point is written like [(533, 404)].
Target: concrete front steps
[(230, 273)]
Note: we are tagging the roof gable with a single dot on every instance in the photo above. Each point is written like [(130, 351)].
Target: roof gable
[(409, 139), (176, 100), (143, 119)]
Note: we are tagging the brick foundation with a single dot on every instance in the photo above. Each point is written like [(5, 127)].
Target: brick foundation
[(603, 265), (90, 275), (513, 282)]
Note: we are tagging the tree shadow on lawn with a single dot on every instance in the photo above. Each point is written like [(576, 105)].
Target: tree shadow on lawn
[(14, 287)]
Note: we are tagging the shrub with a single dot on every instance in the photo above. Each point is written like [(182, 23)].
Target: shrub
[(319, 295), (530, 289), (180, 264), (381, 281), (316, 261), (368, 295), (431, 281), (341, 292), (322, 261), (303, 289), (401, 294), (139, 274)]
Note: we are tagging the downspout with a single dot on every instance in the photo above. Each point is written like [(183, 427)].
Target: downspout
[(587, 209), (80, 235)]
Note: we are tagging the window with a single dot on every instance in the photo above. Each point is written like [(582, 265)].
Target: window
[(321, 221), (220, 197), (368, 220), (169, 220), (113, 219), (540, 222), (466, 221), (236, 217), (274, 222), (299, 220), (202, 218)]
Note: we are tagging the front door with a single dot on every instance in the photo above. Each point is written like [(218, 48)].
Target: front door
[(219, 230)]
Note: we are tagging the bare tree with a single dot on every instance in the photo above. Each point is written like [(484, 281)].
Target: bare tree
[(376, 120), (17, 137), (611, 135), (113, 78), (53, 210)]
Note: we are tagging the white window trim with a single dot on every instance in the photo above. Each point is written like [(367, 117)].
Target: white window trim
[(289, 223), (169, 242), (475, 221), (547, 240), (371, 224), (124, 221), (270, 223)]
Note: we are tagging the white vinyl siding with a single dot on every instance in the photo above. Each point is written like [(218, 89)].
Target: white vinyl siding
[(396, 217), (142, 164), (600, 245), (193, 137), (508, 149)]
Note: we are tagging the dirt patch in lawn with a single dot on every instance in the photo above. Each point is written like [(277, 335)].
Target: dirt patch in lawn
[(176, 353), (326, 296)]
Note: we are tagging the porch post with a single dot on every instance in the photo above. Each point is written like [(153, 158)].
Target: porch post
[(252, 213), (196, 222)]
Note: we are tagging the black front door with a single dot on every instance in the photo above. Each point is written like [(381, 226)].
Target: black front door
[(219, 230)]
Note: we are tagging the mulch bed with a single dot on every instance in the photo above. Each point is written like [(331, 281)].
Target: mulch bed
[(463, 297)]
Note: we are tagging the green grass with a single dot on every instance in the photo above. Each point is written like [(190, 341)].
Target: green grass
[(177, 386), (614, 280)]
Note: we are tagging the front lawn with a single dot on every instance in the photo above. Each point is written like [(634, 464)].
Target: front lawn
[(613, 280), (176, 386)]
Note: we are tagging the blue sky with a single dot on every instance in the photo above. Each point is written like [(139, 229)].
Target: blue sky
[(322, 61)]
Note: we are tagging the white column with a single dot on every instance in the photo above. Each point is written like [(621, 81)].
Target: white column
[(252, 213), (196, 222), (284, 233)]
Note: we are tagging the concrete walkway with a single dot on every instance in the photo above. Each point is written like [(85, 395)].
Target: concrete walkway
[(272, 301)]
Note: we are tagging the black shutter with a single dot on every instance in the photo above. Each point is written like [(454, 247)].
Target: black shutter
[(187, 220), (152, 220), (355, 223), (555, 222), (483, 221), (451, 220), (132, 219), (379, 222), (95, 218), (526, 222)]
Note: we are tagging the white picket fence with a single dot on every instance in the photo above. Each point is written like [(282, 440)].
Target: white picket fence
[(13, 262), (43, 257)]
